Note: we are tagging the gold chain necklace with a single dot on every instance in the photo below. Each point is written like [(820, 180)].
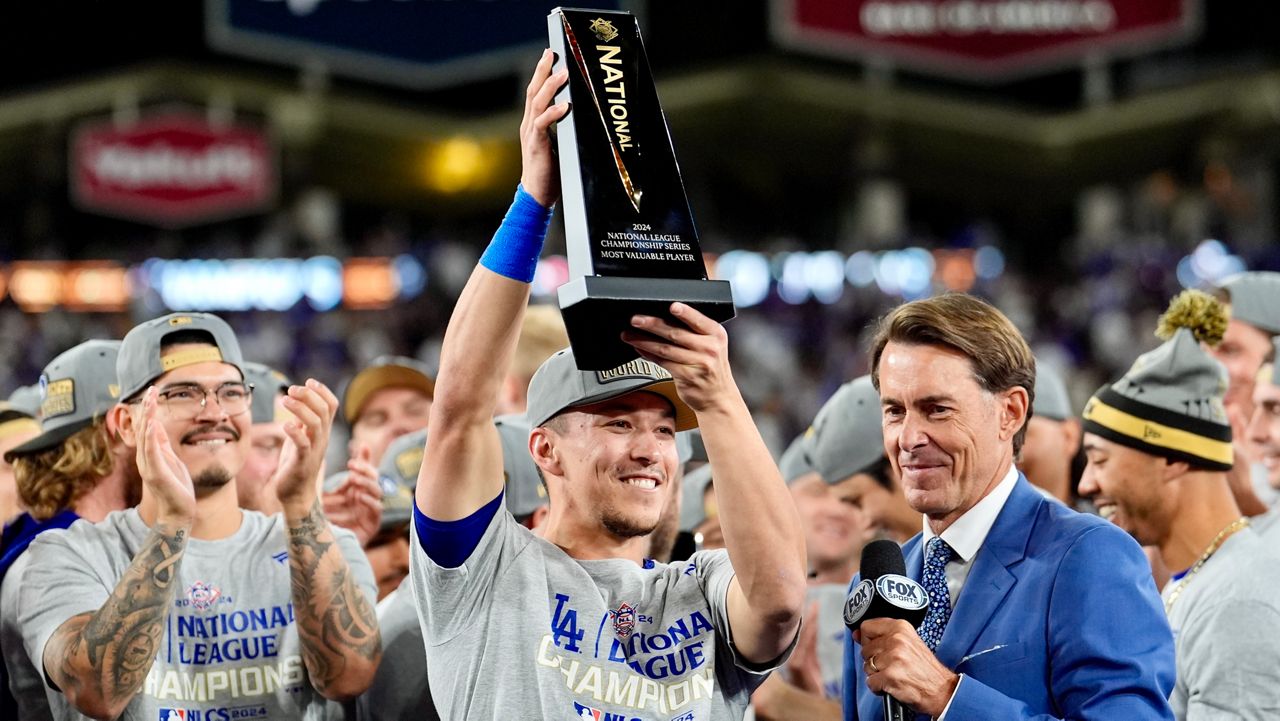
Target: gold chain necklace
[(1236, 525)]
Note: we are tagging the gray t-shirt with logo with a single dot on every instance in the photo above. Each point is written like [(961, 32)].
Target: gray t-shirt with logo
[(230, 647), (1226, 623), (522, 630)]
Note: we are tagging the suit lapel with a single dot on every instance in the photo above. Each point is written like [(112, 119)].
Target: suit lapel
[(990, 579)]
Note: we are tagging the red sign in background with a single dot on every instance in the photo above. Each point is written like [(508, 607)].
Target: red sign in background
[(983, 39), (172, 169)]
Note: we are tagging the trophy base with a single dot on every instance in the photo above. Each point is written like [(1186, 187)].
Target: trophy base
[(597, 309)]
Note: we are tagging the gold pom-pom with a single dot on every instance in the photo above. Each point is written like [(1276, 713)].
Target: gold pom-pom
[(1199, 313)]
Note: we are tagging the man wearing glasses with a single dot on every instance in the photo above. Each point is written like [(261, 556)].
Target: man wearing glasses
[(187, 603)]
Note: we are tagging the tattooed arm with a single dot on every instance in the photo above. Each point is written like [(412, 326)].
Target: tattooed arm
[(337, 626), (100, 660)]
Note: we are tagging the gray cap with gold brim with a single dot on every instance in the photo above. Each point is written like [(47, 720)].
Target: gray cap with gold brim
[(77, 387), (140, 364), (558, 385)]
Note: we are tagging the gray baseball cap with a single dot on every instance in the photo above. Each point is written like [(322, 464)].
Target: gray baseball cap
[(267, 384), (26, 399), (846, 433), (1052, 401), (558, 385), (388, 371), (1255, 299), (795, 462), (398, 471), (77, 387), (139, 363)]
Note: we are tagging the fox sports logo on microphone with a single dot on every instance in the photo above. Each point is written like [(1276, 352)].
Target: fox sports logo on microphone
[(901, 591), (858, 602)]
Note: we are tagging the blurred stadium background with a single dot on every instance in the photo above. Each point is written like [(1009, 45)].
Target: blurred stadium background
[(324, 173)]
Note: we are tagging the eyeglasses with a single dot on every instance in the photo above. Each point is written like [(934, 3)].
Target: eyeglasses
[(187, 400)]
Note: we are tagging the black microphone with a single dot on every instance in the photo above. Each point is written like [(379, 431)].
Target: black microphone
[(886, 592)]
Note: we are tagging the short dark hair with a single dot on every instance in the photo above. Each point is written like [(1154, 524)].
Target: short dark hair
[(182, 337), (997, 352)]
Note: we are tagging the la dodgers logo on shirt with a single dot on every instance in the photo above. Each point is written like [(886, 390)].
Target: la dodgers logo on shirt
[(202, 595)]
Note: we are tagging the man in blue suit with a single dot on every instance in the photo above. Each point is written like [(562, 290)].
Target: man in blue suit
[(1036, 611)]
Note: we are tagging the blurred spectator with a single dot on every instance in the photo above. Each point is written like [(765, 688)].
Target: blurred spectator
[(265, 438), (847, 449), (808, 685), (17, 426), (541, 335), (76, 468), (1053, 437)]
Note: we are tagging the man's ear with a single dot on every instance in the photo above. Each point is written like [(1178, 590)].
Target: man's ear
[(1173, 470), (543, 449), (538, 517), (1071, 433), (120, 424), (1014, 405)]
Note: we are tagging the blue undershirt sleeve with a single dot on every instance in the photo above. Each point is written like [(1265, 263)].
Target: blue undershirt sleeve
[(450, 543)]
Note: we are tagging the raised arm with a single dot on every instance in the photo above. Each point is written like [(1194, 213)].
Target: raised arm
[(761, 525), (337, 625), (99, 660), (462, 466)]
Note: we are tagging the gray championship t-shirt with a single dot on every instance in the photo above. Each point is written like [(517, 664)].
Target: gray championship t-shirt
[(1226, 623), (521, 630), (230, 647), (36, 701)]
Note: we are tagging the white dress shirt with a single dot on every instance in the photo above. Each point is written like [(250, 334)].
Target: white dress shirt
[(965, 536)]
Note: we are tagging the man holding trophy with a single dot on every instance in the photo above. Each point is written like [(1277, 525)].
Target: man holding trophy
[(577, 622)]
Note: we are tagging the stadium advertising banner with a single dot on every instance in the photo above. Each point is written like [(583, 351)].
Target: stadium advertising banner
[(422, 44), (172, 169), (984, 40)]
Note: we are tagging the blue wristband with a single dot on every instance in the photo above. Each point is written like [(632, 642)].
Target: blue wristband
[(514, 250)]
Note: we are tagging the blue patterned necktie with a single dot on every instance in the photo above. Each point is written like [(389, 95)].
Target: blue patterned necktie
[(937, 555)]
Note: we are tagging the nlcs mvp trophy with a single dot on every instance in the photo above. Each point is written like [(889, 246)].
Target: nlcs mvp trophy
[(628, 228)]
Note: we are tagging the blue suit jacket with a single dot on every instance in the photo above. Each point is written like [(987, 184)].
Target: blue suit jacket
[(1059, 618)]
